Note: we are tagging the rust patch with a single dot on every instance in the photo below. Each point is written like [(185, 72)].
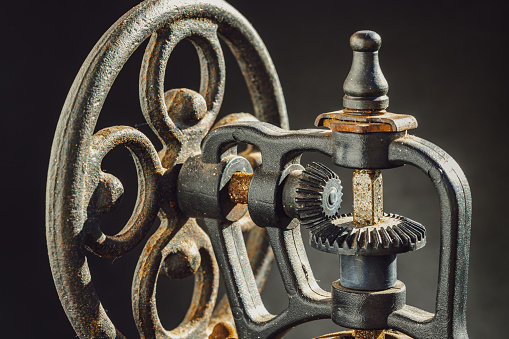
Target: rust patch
[(366, 121), (367, 197), (366, 334), (239, 186), (376, 334), (223, 330)]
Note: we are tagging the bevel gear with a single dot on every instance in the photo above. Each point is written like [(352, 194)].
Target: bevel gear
[(318, 195), (393, 234)]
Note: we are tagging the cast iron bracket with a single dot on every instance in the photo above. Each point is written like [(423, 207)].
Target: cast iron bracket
[(190, 177)]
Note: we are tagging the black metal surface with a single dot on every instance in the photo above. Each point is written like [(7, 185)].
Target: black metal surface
[(366, 151), (279, 147), (312, 195), (180, 118), (79, 192), (365, 86), (449, 320), (392, 235), (202, 188), (368, 272), (289, 193), (307, 301), (366, 309)]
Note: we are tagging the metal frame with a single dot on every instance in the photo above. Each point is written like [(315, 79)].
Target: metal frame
[(279, 150), (79, 192)]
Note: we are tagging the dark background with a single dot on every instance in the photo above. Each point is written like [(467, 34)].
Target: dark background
[(445, 63)]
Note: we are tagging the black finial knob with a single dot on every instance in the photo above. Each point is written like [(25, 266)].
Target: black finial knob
[(365, 86)]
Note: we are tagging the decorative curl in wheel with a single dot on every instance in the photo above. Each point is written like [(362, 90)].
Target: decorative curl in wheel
[(79, 192)]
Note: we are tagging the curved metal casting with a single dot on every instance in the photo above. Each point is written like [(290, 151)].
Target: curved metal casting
[(449, 321), (279, 149), (78, 192)]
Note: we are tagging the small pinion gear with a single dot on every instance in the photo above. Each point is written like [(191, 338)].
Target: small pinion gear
[(393, 234), (318, 195)]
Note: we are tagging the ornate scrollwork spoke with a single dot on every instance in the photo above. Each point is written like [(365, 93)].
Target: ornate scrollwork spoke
[(176, 256), (182, 117), (79, 192), (105, 190)]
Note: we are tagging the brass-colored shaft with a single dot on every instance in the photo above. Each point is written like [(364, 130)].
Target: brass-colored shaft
[(239, 186)]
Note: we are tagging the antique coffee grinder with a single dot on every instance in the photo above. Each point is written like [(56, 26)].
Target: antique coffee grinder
[(263, 191)]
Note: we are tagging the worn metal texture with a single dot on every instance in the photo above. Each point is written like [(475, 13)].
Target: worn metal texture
[(363, 150), (394, 234), (365, 85), (190, 177), (367, 197), (366, 91), (239, 186), (366, 310), (368, 121), (449, 320), (368, 272), (203, 188), (361, 334), (78, 192), (280, 149)]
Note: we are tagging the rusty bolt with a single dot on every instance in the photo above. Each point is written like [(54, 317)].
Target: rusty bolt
[(223, 330), (182, 263), (185, 106)]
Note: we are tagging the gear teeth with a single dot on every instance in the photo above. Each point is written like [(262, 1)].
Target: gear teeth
[(395, 239), (386, 239), (399, 234), (317, 176), (318, 194), (363, 239), (308, 200), (325, 170), (309, 211), (314, 184), (308, 182), (318, 227), (377, 239), (314, 218)]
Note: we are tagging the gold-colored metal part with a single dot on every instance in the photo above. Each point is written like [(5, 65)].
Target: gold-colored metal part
[(239, 186), (367, 197), (363, 334), (223, 330), (366, 121)]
